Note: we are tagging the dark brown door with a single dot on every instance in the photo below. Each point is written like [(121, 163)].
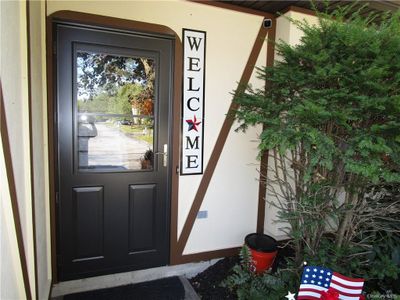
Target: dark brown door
[(113, 111)]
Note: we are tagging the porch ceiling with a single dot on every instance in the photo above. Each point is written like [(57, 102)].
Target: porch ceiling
[(274, 6)]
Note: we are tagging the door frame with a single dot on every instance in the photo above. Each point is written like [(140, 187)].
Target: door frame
[(176, 83)]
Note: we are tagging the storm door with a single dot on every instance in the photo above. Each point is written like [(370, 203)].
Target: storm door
[(113, 105)]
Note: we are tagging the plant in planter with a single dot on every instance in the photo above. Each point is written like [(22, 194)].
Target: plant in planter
[(248, 284), (147, 160), (331, 119)]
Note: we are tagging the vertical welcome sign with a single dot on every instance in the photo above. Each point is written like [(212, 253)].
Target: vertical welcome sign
[(194, 47)]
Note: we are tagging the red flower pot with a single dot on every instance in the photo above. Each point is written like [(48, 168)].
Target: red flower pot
[(263, 249)]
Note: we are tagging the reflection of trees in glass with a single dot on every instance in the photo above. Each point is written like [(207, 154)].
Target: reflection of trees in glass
[(118, 104), (115, 84)]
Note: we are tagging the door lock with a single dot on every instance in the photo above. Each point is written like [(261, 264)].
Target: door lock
[(165, 155)]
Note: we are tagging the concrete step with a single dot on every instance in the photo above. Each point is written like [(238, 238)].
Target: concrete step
[(107, 281)]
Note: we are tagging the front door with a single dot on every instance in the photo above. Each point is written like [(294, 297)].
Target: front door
[(113, 111)]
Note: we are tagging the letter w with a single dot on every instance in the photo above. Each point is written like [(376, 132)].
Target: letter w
[(193, 41)]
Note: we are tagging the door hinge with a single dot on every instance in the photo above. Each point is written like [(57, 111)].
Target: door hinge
[(177, 169), (57, 198)]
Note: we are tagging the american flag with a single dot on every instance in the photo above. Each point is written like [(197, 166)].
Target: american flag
[(316, 280)]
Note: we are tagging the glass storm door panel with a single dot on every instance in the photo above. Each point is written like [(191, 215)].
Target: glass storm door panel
[(115, 110), (113, 107)]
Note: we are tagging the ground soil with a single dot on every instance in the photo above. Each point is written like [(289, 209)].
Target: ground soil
[(208, 283)]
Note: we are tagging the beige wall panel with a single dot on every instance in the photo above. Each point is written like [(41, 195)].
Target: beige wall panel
[(230, 37), (295, 33), (39, 141), (13, 74), (232, 197), (11, 281)]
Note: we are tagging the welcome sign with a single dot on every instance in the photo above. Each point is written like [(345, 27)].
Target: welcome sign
[(194, 47)]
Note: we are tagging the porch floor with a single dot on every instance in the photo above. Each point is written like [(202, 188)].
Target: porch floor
[(114, 280)]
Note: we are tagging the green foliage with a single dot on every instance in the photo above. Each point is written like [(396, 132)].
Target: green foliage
[(331, 118), (249, 285), (384, 255), (337, 93), (110, 71), (127, 95), (118, 104), (99, 104), (375, 252), (343, 260), (387, 295)]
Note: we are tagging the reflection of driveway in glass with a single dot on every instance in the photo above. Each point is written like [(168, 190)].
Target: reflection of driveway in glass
[(111, 147)]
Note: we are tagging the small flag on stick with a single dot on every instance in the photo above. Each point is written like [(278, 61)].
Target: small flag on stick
[(317, 281)]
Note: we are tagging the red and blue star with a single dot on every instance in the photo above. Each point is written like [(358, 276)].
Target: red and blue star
[(193, 123)]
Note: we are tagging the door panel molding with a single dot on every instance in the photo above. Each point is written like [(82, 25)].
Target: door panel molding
[(146, 216), (89, 243)]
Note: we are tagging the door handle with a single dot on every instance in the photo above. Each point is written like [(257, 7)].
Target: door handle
[(165, 155)]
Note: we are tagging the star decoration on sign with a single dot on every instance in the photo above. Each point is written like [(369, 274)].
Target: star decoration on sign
[(290, 296), (193, 123)]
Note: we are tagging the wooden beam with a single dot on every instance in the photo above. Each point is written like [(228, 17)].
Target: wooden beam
[(29, 60), (262, 188), (222, 137), (235, 8), (13, 195)]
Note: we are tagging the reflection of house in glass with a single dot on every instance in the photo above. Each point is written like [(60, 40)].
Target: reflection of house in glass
[(86, 130)]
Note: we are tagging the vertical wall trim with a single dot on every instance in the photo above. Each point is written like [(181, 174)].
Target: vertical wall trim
[(13, 195), (262, 188), (29, 69), (51, 146), (222, 137), (176, 128)]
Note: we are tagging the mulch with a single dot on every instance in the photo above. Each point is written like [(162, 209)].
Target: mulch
[(208, 283)]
